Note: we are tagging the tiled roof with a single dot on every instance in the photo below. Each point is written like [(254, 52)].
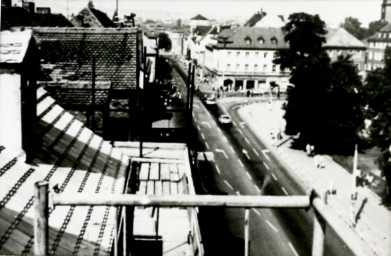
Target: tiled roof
[(103, 19), (239, 36), (339, 37), (254, 19), (73, 159), (13, 45), (71, 51), (198, 17), (17, 17), (380, 36)]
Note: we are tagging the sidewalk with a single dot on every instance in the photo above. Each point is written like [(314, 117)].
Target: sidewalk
[(373, 220)]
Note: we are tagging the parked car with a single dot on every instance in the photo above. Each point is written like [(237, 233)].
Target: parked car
[(225, 120), (210, 100)]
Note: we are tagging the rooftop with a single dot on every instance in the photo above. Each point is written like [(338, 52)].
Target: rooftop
[(198, 17), (339, 37), (13, 46)]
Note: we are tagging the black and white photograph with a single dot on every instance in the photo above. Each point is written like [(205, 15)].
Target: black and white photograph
[(195, 127)]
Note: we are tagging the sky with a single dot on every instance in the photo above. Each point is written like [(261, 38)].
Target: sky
[(333, 12)]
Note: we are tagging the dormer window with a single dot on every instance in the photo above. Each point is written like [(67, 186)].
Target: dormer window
[(247, 40), (274, 41), (261, 41)]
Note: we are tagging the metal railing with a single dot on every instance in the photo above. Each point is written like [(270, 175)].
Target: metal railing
[(321, 216)]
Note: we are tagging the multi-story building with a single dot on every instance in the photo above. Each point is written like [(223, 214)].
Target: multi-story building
[(243, 57), (376, 48)]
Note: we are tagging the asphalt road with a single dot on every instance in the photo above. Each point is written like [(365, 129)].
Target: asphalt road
[(242, 165)]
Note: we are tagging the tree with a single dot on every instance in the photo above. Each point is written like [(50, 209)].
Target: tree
[(163, 70), (378, 95), (353, 26), (318, 106), (164, 41)]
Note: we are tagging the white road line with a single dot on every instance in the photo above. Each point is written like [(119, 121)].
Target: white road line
[(256, 187), (283, 189), (271, 225), (248, 142), (249, 176), (225, 139), (255, 152), (222, 151), (233, 151), (264, 153), (202, 135), (207, 145), (267, 167), (256, 211), (274, 176), (217, 169), (293, 249), (198, 127), (229, 185), (240, 162), (240, 131), (234, 124)]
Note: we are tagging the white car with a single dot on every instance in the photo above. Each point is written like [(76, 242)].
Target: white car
[(225, 119), (210, 100)]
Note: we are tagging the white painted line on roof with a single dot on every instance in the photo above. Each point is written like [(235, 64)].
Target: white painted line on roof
[(249, 176), (229, 185), (283, 189), (240, 162), (217, 169), (271, 225), (256, 187), (207, 145), (267, 167), (293, 249), (202, 135), (256, 152), (233, 151), (274, 176), (256, 211)]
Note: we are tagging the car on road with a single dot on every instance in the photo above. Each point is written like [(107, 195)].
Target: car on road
[(210, 100), (225, 120)]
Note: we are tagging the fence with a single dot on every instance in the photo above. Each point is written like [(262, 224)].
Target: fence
[(321, 216)]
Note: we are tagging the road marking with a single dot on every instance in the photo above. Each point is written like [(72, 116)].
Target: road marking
[(233, 151), (242, 124), (293, 249), (256, 187), (240, 162), (225, 139), (198, 127), (207, 145), (248, 142), (229, 185), (206, 123), (264, 153), (202, 135), (238, 193), (246, 153), (283, 189), (274, 176), (249, 176), (256, 211), (234, 124), (267, 167), (271, 225), (255, 152), (236, 107), (240, 131), (207, 112), (218, 169), (195, 118), (222, 151)]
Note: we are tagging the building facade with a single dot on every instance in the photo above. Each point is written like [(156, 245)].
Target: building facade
[(377, 45)]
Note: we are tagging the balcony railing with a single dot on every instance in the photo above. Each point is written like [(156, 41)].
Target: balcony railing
[(321, 216)]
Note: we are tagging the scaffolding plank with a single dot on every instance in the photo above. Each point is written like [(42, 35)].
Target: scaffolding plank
[(164, 172), (144, 171), (154, 172)]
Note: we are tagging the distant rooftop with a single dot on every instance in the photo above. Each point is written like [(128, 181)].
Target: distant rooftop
[(198, 17), (13, 45), (339, 37)]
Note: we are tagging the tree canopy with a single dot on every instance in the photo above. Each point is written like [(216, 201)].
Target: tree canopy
[(353, 26), (164, 42), (323, 104)]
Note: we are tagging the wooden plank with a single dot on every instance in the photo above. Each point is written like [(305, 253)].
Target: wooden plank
[(164, 172), (166, 188), (154, 173), (180, 187), (144, 171), (175, 177), (143, 187), (150, 187), (158, 188)]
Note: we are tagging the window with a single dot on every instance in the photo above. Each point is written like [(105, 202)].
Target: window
[(255, 68), (274, 41), (265, 55), (274, 68), (238, 54), (261, 41), (256, 54), (247, 54), (237, 66), (274, 54), (246, 67), (264, 67), (228, 67), (228, 54), (247, 40)]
